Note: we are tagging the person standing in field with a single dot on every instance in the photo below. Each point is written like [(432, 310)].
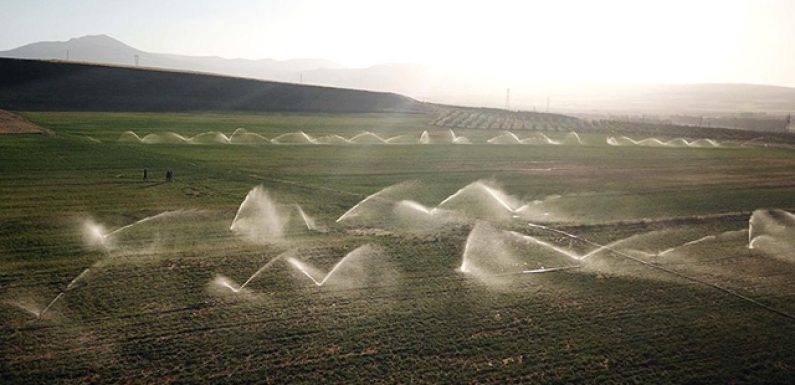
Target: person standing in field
[(145, 173)]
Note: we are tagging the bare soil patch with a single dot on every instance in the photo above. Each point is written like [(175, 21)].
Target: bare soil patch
[(11, 123)]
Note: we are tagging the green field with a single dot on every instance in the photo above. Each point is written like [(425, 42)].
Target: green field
[(148, 311)]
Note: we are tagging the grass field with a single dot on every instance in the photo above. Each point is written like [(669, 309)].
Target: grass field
[(148, 311)]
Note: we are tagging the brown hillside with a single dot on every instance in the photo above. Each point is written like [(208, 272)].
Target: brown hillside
[(11, 123)]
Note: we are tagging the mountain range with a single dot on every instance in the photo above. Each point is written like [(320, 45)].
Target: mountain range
[(107, 50), (436, 85)]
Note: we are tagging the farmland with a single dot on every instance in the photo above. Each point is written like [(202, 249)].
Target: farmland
[(495, 119), (149, 309)]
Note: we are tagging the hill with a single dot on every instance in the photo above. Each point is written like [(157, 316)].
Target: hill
[(439, 85), (107, 50), (47, 85)]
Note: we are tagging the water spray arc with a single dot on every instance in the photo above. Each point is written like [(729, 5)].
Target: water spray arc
[(242, 136), (549, 269), (352, 210), (314, 274), (676, 142), (491, 252), (165, 214), (455, 139), (98, 236), (424, 138), (308, 221), (260, 219), (669, 271), (497, 196), (63, 292), (574, 256), (417, 207), (374, 197), (367, 137), (222, 281), (686, 244), (305, 269), (299, 137)]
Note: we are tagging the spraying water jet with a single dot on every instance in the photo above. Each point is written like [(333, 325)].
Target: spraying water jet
[(664, 269), (258, 218), (424, 138), (482, 200), (349, 268), (60, 295), (229, 284), (371, 205), (490, 253)]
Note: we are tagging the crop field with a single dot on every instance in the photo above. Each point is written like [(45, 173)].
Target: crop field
[(459, 118), (505, 120), (437, 263)]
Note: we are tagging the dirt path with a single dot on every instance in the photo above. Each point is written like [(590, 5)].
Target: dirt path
[(11, 123)]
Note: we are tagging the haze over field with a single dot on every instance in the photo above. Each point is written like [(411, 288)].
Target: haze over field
[(618, 56), (373, 192)]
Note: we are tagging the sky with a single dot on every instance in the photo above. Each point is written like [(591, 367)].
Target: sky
[(563, 41)]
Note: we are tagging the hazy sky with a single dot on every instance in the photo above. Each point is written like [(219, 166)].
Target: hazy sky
[(604, 41)]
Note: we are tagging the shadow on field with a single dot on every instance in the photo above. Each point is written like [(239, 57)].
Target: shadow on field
[(150, 185)]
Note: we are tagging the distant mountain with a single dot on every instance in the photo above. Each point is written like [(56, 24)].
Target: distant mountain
[(438, 85), (107, 50), (61, 86)]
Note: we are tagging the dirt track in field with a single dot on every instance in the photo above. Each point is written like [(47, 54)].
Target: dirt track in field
[(11, 123)]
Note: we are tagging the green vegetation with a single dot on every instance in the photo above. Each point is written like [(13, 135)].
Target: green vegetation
[(490, 118), (494, 119), (148, 312)]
